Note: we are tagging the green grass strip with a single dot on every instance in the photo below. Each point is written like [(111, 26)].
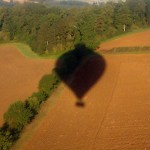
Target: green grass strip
[(25, 50)]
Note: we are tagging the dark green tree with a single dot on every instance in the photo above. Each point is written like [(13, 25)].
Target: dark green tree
[(18, 115), (122, 17)]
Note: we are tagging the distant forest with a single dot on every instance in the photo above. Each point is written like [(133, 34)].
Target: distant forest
[(50, 29)]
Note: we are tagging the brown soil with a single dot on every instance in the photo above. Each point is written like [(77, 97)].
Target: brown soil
[(115, 115), (134, 40), (19, 76)]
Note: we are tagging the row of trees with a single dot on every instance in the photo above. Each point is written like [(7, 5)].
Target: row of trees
[(21, 113), (51, 29)]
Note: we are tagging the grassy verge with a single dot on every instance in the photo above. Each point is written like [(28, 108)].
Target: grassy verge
[(26, 51)]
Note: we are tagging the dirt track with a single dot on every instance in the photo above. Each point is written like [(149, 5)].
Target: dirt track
[(133, 40), (19, 76), (115, 116)]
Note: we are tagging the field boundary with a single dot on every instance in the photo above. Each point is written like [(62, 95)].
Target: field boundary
[(31, 128), (27, 52), (127, 50), (13, 124)]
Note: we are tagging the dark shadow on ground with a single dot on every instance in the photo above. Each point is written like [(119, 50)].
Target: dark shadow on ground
[(80, 69)]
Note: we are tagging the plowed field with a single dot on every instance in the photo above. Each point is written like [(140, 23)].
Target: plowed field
[(116, 114), (140, 39), (19, 76)]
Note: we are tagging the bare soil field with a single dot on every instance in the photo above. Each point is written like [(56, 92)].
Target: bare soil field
[(115, 115), (19, 76), (140, 39)]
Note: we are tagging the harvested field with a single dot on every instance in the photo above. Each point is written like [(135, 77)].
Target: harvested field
[(19, 76), (115, 115), (140, 39)]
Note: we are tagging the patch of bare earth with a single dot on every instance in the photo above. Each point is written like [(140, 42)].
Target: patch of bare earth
[(140, 39), (19, 76), (115, 115)]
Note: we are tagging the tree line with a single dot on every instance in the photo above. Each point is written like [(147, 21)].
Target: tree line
[(52, 29), (21, 113)]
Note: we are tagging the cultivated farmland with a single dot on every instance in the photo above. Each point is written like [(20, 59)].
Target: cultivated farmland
[(140, 39), (19, 76), (92, 95), (115, 114)]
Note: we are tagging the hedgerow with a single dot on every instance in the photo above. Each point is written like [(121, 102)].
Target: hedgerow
[(21, 113)]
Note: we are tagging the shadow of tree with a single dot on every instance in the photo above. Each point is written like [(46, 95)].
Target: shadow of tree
[(80, 69)]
